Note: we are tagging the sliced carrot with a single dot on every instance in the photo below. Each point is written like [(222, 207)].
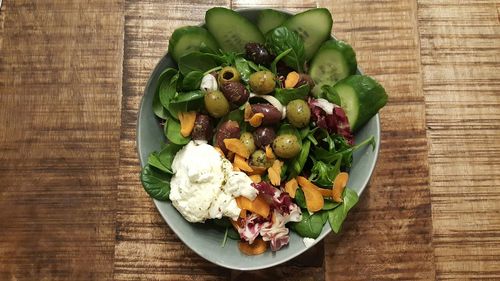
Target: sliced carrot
[(274, 172), (241, 163), (187, 122), (292, 79), (259, 205), (256, 119), (269, 152), (314, 199), (291, 187), (339, 185), (257, 170), (237, 146), (258, 247), (256, 178), (236, 169), (248, 112), (243, 213)]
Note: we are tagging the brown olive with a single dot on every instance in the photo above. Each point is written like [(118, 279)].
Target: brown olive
[(259, 159), (262, 82), (202, 128), (264, 136), (305, 79), (228, 74), (216, 104), (258, 53), (235, 92), (248, 140), (271, 114), (286, 146), (298, 113), (227, 130)]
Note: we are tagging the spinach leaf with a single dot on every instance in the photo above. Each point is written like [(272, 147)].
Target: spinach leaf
[(299, 161), (173, 132), (187, 101), (192, 81), (330, 205), (310, 225), (167, 154), (304, 132), (281, 39), (156, 183), (330, 94), (285, 95), (164, 77), (244, 68), (337, 216), (274, 64), (197, 61), (300, 198), (168, 90), (154, 161)]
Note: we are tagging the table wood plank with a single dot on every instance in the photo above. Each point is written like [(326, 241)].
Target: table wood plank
[(388, 235), (146, 248), (461, 79), (60, 84)]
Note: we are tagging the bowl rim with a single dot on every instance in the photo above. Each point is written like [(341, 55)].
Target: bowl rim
[(371, 168)]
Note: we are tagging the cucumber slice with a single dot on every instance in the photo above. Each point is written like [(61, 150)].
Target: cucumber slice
[(269, 19), (314, 26), (189, 39), (335, 60), (361, 97), (231, 30)]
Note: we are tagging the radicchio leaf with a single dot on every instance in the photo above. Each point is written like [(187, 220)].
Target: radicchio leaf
[(331, 117)]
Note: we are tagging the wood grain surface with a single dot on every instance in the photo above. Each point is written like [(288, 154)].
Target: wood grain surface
[(461, 74), (71, 205), (60, 91)]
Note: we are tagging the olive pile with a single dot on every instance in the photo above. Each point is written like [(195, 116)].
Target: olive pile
[(231, 92)]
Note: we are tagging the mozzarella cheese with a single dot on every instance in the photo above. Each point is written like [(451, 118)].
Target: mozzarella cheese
[(204, 185)]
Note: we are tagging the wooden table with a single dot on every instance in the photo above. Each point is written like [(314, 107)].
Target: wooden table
[(71, 207)]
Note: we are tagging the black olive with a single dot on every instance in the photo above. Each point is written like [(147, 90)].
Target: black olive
[(258, 53)]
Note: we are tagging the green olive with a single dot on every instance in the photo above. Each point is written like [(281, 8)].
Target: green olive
[(286, 146), (262, 82), (228, 74), (216, 104), (298, 113), (259, 159), (247, 139)]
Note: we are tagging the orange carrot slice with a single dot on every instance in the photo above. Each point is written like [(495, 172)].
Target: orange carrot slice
[(269, 152), (274, 172), (314, 199), (259, 205), (247, 113), (291, 187), (291, 80), (258, 247), (237, 146), (339, 185), (187, 122), (256, 119), (241, 163), (256, 178), (243, 213)]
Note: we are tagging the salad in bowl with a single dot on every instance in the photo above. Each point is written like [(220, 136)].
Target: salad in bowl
[(261, 114)]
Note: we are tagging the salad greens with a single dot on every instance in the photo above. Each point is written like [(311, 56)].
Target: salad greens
[(262, 64)]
